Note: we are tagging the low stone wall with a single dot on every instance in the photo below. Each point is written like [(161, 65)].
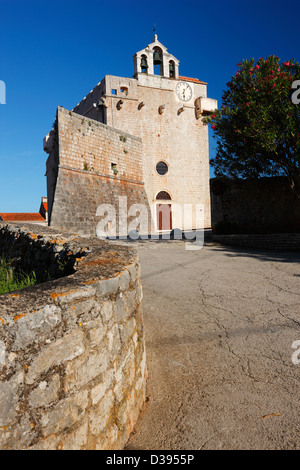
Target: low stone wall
[(36, 248), (258, 206), (274, 242), (72, 354)]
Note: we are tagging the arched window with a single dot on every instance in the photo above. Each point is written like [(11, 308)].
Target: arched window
[(157, 61), (144, 64), (163, 196), (171, 69)]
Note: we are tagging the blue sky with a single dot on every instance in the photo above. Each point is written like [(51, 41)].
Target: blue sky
[(52, 53)]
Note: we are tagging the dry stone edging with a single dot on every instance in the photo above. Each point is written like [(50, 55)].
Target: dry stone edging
[(72, 369)]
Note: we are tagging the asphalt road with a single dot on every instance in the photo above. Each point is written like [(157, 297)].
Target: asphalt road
[(219, 324)]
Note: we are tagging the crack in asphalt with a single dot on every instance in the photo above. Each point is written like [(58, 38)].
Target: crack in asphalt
[(219, 325)]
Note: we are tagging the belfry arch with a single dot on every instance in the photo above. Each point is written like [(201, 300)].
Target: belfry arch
[(158, 64)]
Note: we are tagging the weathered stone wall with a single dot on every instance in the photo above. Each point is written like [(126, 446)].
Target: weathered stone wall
[(49, 258), (72, 354), (85, 179), (259, 206)]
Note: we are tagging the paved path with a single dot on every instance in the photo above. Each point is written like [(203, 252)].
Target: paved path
[(219, 325)]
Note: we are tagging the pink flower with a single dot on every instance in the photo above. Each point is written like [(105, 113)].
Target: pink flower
[(286, 64), (213, 126), (274, 85), (257, 67)]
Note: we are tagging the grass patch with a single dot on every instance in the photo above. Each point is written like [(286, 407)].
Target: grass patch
[(12, 279)]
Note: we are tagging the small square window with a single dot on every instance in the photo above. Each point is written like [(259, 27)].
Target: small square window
[(114, 168), (113, 91)]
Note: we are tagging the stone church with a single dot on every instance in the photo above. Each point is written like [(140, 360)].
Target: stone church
[(139, 137)]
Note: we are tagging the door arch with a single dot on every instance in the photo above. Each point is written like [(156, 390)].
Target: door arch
[(163, 211)]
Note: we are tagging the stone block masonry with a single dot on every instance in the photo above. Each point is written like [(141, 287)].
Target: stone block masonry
[(258, 206), (49, 258), (91, 164), (72, 354)]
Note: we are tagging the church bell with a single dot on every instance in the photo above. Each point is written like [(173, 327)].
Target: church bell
[(157, 58), (144, 64)]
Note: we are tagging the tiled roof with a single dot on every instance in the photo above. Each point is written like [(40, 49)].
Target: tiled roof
[(44, 205), (195, 80), (21, 217)]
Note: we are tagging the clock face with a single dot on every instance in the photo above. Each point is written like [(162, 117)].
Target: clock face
[(184, 91)]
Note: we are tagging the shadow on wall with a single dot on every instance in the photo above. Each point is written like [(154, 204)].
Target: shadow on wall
[(254, 206), (37, 253)]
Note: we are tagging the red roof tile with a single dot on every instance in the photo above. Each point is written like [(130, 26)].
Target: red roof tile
[(21, 217), (195, 80), (44, 206)]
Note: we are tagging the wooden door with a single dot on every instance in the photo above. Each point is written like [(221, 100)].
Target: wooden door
[(164, 216)]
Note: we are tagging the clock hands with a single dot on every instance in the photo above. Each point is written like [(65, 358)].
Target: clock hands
[(184, 91)]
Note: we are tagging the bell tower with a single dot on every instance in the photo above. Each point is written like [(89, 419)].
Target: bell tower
[(155, 60)]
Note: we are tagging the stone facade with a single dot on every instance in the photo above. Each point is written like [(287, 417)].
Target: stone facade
[(163, 111), (72, 354)]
